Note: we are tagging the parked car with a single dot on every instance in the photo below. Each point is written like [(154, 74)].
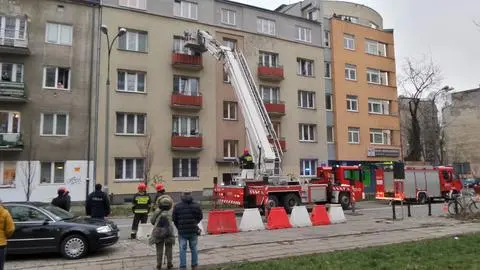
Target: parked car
[(42, 227)]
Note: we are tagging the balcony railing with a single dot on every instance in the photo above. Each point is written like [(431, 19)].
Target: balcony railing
[(182, 101), (11, 43), (269, 73), (282, 141), (185, 61), (185, 142), (11, 142), (12, 91), (275, 108)]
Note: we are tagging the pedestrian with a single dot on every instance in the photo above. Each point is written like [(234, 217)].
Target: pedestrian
[(97, 204), (162, 234), (62, 200), (160, 194), (141, 207), (7, 228), (186, 216)]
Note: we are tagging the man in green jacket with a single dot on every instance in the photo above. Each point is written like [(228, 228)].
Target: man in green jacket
[(163, 235)]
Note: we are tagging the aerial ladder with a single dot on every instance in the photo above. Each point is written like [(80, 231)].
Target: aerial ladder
[(263, 142)]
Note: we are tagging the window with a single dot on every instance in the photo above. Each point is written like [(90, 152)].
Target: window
[(129, 169), (379, 136), (8, 170), (330, 137), (278, 128), (349, 18), (306, 99), (131, 81), (139, 4), (56, 78), (328, 102), (9, 122), (304, 34), (266, 26), (133, 41), (349, 42), (231, 43), (52, 172), (377, 106), (307, 132), (26, 214), (377, 76), (376, 48), (59, 34), (229, 110), (313, 14), (131, 123), (185, 167), (328, 70), (326, 38), (304, 67), (13, 31), (308, 167), (185, 9), (230, 149), (54, 124), (270, 94), (350, 72), (179, 46), (185, 85), (373, 25), (11, 72), (228, 16), (267, 59), (354, 135), (352, 103), (186, 126)]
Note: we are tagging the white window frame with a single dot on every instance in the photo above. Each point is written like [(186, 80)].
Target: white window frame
[(375, 48), (66, 88), (193, 123), (11, 116), (328, 67), (124, 169), (189, 86), (384, 134), (384, 106), (137, 4), (229, 144), (135, 34), (125, 74), (326, 38), (272, 92), (178, 46), (54, 129), (349, 71), (186, 177), (308, 135), (311, 96), (268, 59), (2, 173), (382, 76), (266, 26), (352, 131), (304, 34), (330, 97), (52, 172), (312, 165), (305, 65), (331, 129), (349, 42), (228, 17), (60, 28), (231, 105), (352, 103), (351, 19), (17, 69), (192, 9), (135, 123), (18, 34)]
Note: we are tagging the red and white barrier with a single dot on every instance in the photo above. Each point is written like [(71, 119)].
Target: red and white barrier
[(336, 215), (299, 217), (251, 220)]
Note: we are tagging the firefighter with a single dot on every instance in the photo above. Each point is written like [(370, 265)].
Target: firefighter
[(246, 160), (160, 195), (141, 206)]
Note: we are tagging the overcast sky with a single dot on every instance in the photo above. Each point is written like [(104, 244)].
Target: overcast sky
[(443, 29)]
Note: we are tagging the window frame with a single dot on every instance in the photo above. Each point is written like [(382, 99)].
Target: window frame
[(349, 68), (178, 9), (352, 100), (125, 81), (16, 67), (124, 169), (135, 124), (305, 31), (327, 67), (330, 129), (380, 74), (330, 97), (384, 134), (193, 122), (44, 86), (383, 104), (229, 105), (229, 13), (311, 96), (311, 128), (351, 132), (369, 43), (349, 39), (327, 39), (59, 26), (304, 64), (271, 57), (52, 173), (2, 173), (137, 34), (190, 176), (270, 24), (189, 90), (227, 145), (54, 124), (273, 93), (138, 5), (10, 119), (311, 163)]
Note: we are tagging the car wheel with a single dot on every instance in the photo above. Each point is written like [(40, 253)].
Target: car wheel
[(74, 247)]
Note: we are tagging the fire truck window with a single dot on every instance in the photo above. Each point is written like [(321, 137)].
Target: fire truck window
[(351, 175), (446, 176)]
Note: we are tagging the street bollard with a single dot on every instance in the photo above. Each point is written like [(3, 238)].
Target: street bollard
[(408, 208), (353, 208), (393, 211), (429, 206)]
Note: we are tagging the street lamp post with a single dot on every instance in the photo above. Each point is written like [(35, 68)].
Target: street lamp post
[(121, 32)]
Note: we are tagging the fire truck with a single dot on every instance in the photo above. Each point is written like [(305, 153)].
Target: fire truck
[(266, 185), (416, 183)]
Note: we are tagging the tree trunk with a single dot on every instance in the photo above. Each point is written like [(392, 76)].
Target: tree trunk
[(415, 145)]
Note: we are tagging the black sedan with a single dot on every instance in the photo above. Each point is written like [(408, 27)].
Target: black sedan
[(42, 227)]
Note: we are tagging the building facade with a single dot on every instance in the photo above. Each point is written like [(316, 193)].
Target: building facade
[(184, 102), (47, 66)]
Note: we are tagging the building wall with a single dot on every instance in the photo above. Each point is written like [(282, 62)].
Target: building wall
[(364, 13)]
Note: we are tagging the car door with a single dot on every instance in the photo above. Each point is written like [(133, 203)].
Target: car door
[(33, 229)]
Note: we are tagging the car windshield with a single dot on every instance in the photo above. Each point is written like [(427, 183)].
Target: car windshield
[(58, 213)]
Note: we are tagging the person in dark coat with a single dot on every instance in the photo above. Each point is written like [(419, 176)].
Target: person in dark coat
[(97, 204), (63, 199), (186, 216)]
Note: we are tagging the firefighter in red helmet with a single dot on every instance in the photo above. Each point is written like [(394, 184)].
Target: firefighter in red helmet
[(141, 206), (160, 188), (246, 160)]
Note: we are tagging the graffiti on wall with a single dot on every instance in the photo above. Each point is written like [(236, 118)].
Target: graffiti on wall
[(74, 180)]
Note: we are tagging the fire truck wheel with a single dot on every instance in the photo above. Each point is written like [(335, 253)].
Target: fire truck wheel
[(344, 199), (422, 198), (272, 201), (290, 200)]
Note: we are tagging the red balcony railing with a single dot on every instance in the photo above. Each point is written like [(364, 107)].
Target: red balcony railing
[(184, 142), (185, 61), (275, 108), (179, 100), (270, 73)]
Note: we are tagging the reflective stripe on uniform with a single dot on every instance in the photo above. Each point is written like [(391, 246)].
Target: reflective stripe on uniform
[(142, 199), (140, 211)]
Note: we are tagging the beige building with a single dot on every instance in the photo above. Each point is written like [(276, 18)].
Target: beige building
[(184, 102)]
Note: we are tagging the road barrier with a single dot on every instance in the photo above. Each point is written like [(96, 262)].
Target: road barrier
[(319, 216), (278, 219), (144, 230), (251, 220), (336, 215), (222, 221), (299, 217)]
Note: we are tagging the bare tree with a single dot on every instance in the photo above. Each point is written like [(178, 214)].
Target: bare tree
[(146, 150), (29, 168)]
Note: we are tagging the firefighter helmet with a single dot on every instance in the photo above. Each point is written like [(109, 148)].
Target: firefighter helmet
[(159, 187), (142, 187), (245, 151)]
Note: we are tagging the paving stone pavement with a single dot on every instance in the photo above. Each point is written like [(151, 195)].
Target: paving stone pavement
[(360, 231)]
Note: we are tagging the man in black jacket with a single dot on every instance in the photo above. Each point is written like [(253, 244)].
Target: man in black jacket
[(62, 200), (97, 204), (186, 216)]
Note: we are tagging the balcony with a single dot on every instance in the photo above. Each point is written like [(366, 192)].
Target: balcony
[(275, 109), (12, 42), (187, 62), (273, 74), (283, 143), (187, 102), (12, 92), (187, 143), (11, 142)]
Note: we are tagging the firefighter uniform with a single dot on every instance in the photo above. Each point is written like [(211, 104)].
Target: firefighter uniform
[(141, 206), (246, 160)]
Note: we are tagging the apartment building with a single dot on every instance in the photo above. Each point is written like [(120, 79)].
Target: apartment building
[(184, 102), (45, 90)]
